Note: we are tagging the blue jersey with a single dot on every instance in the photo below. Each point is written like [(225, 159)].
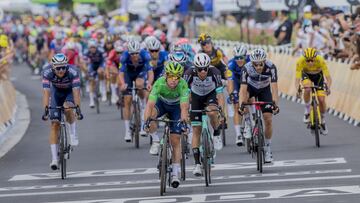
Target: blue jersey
[(70, 80), (236, 70), (158, 68), (97, 58), (54, 45), (143, 64)]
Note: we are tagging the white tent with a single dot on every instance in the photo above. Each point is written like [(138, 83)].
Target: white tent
[(15, 5)]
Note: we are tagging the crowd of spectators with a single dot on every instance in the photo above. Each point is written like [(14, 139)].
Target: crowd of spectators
[(6, 55), (334, 33)]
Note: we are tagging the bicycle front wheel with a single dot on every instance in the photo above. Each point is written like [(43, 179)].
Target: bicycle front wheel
[(206, 158), (62, 148), (164, 166), (223, 133), (315, 111), (260, 149), (97, 98), (183, 156), (137, 124)]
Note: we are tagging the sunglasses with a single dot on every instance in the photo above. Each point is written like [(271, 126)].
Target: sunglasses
[(153, 51), (60, 68), (204, 43), (258, 64), (173, 77), (309, 61), (237, 58), (135, 53), (202, 69)]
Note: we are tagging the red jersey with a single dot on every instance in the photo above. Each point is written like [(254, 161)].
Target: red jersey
[(113, 59)]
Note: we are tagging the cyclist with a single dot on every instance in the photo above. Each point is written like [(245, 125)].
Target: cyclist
[(158, 57), (112, 65), (178, 55), (311, 68), (134, 66), (95, 60), (170, 95), (259, 79), (71, 53), (61, 83), (56, 44), (217, 56), (206, 92), (236, 66)]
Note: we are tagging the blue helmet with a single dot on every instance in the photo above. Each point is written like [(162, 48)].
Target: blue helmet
[(59, 60)]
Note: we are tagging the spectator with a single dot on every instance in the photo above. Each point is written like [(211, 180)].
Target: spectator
[(284, 31), (356, 58)]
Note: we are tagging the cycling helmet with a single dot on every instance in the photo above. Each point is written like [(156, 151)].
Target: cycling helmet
[(92, 43), (258, 55), (58, 36), (59, 60), (203, 37), (179, 57), (133, 46), (70, 45), (118, 46), (173, 68), (240, 50), (310, 53), (176, 48), (201, 60), (153, 44)]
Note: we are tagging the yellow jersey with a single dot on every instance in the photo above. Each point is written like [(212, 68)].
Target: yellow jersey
[(317, 66)]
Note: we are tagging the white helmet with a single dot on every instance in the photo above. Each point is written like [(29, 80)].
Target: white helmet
[(58, 36), (92, 43), (201, 60), (133, 46), (70, 45), (240, 50), (118, 46), (258, 55), (153, 44)]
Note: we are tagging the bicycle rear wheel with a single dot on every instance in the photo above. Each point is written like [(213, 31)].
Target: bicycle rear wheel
[(164, 166), (206, 160), (62, 148)]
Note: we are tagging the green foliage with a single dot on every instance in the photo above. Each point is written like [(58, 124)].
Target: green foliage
[(66, 5), (108, 5)]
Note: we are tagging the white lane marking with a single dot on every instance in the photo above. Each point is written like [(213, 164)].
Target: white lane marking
[(237, 196), (122, 183), (142, 171), (182, 186)]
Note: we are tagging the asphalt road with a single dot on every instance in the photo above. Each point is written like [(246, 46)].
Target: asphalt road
[(103, 168)]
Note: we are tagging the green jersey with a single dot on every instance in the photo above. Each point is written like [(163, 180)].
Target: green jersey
[(170, 96)]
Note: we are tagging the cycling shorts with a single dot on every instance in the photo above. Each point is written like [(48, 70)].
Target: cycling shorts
[(58, 98), (130, 77), (317, 79), (264, 95), (200, 103), (172, 111), (93, 68)]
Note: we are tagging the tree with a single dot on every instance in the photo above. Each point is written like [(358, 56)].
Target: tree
[(66, 5)]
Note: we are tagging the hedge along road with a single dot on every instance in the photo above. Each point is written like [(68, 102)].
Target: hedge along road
[(105, 168)]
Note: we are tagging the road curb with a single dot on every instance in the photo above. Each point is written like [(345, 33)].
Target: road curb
[(14, 132)]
